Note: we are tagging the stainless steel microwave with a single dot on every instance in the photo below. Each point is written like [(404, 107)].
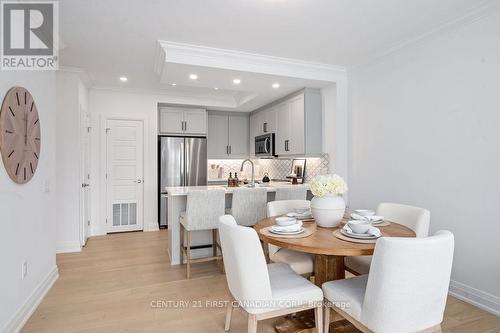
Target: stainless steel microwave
[(264, 145)]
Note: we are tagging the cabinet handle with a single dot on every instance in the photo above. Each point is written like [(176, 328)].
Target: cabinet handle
[(230, 150), (185, 125), (265, 128), (227, 150), (182, 125)]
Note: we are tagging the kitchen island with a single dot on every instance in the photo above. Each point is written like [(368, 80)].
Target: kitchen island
[(176, 203)]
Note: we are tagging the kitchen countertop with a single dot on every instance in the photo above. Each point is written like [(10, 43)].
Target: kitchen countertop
[(174, 191)]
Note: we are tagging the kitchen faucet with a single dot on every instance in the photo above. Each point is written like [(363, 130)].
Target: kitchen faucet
[(252, 183)]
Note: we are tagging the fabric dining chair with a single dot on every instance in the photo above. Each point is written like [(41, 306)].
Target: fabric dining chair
[(302, 263), (405, 291), (415, 218), (263, 291), (294, 192), (203, 209), (248, 205)]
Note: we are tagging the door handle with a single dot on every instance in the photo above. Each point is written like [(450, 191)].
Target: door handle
[(85, 185), (138, 181)]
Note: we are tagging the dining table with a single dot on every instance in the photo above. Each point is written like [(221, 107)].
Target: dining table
[(329, 252)]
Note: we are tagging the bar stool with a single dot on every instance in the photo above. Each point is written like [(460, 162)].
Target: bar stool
[(248, 205), (293, 192), (203, 209)]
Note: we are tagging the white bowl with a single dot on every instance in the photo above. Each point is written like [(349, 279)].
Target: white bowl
[(365, 212), (284, 221), (359, 226), (301, 210)]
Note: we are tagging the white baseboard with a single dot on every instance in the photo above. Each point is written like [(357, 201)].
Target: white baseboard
[(481, 299), (68, 247), (16, 323)]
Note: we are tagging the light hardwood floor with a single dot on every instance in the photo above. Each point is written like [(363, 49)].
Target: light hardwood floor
[(109, 287)]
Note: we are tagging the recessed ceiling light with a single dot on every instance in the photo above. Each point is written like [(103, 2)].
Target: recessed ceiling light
[(216, 88), (123, 78), (276, 85), (236, 81), (174, 84), (193, 76)]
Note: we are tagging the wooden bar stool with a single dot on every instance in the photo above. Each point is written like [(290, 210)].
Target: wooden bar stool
[(203, 209)]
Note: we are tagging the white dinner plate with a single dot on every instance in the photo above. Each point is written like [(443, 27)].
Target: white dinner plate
[(301, 230), (355, 235)]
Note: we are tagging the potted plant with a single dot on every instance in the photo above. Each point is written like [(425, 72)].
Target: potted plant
[(328, 206)]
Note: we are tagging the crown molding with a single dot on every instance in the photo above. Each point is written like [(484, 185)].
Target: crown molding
[(175, 97), (171, 52), (80, 72), (475, 14)]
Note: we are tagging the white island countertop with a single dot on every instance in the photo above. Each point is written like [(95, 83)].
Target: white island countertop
[(174, 191)]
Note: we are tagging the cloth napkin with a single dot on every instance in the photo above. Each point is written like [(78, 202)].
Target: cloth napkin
[(372, 218), (374, 231), (287, 228)]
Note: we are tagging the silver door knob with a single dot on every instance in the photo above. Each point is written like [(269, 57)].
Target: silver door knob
[(138, 181)]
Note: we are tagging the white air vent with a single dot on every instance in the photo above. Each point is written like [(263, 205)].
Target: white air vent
[(124, 214)]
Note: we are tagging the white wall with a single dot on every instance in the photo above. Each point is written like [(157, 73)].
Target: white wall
[(28, 219), (71, 95), (141, 105), (425, 131)]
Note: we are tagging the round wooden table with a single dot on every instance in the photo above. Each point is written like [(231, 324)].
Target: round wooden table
[(329, 251)]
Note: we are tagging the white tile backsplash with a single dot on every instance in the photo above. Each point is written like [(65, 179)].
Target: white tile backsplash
[(276, 168)]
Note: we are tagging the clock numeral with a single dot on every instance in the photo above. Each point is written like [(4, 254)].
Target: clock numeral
[(17, 169), (25, 98), (37, 139), (31, 166), (24, 173), (36, 121), (10, 132), (12, 152), (35, 155), (32, 104), (10, 109), (17, 96)]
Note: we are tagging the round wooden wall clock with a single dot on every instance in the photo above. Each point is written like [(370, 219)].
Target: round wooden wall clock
[(19, 135)]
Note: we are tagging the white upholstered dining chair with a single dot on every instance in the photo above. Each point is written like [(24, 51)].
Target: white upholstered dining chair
[(302, 263), (293, 192), (415, 218), (404, 292), (203, 209), (248, 205), (263, 291)]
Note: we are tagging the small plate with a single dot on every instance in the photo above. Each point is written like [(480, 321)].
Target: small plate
[(300, 216), (301, 230), (355, 235)]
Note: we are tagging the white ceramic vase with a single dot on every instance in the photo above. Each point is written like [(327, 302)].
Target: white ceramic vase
[(328, 210)]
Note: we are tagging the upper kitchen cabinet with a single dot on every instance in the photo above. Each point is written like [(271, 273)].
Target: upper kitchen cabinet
[(185, 121), (228, 135), (261, 122), (299, 125)]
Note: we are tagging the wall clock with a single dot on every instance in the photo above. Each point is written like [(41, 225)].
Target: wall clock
[(20, 135)]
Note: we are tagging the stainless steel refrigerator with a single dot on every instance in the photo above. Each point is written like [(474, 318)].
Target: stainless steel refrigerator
[(182, 162)]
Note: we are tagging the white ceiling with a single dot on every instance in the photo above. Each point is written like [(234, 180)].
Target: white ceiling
[(109, 38)]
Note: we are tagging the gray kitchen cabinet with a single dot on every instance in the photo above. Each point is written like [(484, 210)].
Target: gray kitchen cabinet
[(298, 123), (185, 121), (228, 135)]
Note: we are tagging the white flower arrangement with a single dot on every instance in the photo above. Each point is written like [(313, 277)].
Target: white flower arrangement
[(328, 184)]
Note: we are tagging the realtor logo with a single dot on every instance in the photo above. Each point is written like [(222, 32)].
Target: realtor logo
[(29, 35)]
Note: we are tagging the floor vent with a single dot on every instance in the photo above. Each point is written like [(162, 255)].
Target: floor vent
[(124, 214)]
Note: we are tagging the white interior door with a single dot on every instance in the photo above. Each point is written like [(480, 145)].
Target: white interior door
[(124, 175), (84, 176)]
